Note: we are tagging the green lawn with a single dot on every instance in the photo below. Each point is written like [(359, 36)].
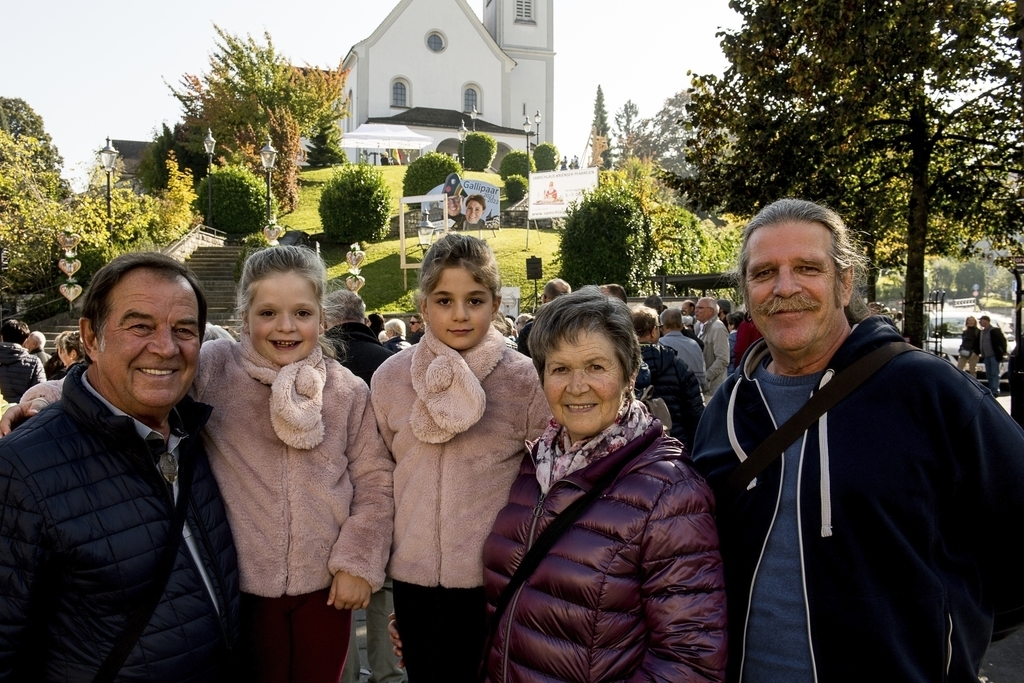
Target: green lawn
[(311, 183), (384, 290)]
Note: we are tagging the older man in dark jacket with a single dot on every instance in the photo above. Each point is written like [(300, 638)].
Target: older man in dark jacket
[(116, 560)]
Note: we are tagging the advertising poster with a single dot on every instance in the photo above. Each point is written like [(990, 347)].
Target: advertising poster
[(551, 192), (472, 204)]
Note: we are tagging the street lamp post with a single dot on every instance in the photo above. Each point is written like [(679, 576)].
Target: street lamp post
[(462, 139), (268, 155), (536, 119), (208, 145), (473, 115), (108, 156)]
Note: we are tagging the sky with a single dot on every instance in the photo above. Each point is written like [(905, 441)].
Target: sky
[(101, 68)]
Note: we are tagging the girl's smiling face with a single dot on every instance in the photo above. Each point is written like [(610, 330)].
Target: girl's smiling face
[(284, 320), (459, 309)]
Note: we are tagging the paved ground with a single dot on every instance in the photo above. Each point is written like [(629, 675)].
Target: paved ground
[(1003, 663)]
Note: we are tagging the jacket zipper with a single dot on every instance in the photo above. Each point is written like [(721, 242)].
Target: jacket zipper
[(949, 643), (803, 568), (538, 510), (222, 615)]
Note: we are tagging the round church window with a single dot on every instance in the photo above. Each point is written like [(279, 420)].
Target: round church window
[(435, 41)]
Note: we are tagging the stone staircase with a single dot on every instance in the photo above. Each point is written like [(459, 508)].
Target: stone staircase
[(215, 269)]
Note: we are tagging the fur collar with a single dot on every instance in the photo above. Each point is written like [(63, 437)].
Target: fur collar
[(449, 398), (296, 394)]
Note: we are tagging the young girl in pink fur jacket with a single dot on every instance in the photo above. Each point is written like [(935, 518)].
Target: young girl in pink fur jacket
[(305, 477), (455, 411)]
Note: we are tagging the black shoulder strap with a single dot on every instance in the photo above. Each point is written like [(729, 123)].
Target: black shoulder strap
[(542, 545), (151, 597), (838, 388)]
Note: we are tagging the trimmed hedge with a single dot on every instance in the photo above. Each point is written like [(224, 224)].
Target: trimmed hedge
[(355, 205), (516, 187), (239, 200), (480, 151), (428, 172), (516, 162), (546, 157)]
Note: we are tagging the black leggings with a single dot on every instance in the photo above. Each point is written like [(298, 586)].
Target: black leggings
[(442, 631)]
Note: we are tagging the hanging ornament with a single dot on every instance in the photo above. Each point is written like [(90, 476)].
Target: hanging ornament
[(71, 292), (272, 231), (68, 242), (355, 283), (355, 258), (69, 268)]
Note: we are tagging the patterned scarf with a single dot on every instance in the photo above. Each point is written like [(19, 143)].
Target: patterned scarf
[(557, 457)]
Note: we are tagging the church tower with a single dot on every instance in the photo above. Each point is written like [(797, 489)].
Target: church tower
[(525, 31)]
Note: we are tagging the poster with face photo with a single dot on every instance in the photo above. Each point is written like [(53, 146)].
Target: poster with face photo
[(472, 204)]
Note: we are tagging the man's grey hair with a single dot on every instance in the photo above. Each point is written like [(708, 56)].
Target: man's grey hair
[(672, 319), (556, 288), (845, 254), (585, 311), (395, 325), (343, 306)]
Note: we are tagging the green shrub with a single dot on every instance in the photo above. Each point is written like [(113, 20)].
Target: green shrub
[(480, 151), (355, 205), (546, 157), (516, 162), (427, 172), (250, 245), (516, 187), (607, 238), (239, 200)]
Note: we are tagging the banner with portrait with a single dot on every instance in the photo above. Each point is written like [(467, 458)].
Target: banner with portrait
[(551, 192), (472, 204)]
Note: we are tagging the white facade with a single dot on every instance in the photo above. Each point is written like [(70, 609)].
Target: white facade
[(435, 51)]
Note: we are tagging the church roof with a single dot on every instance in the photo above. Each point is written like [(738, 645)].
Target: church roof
[(443, 118)]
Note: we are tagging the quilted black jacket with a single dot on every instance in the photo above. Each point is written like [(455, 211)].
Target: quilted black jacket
[(675, 382), (19, 370), (84, 515)]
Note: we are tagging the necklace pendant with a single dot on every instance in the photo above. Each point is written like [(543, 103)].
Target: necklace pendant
[(169, 467)]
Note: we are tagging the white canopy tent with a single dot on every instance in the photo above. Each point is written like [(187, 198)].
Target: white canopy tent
[(385, 136)]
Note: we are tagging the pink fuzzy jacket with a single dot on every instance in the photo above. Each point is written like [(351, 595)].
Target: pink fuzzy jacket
[(299, 513), (456, 425)]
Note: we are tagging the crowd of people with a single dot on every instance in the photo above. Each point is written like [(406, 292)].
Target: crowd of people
[(597, 492)]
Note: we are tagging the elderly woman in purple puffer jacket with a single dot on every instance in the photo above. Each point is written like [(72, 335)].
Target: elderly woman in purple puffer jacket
[(633, 588)]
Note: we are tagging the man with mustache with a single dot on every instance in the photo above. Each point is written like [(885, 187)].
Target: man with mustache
[(848, 558)]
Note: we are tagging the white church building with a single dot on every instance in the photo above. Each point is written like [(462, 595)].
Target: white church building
[(432, 63)]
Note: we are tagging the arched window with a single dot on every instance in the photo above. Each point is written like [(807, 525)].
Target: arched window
[(398, 95), (469, 100)]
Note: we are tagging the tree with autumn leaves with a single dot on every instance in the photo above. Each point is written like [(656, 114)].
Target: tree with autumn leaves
[(904, 117), (251, 91)]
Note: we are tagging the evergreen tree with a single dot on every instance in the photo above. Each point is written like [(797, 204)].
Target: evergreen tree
[(325, 146), (600, 125)]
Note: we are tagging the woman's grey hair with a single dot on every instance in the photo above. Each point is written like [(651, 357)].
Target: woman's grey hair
[(585, 311), (456, 250), (395, 325), (343, 305), (844, 252)]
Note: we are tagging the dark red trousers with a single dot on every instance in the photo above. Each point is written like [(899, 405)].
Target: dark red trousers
[(294, 638)]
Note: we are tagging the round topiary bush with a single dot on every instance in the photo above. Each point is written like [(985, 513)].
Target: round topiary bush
[(515, 188), (355, 205), (427, 172), (516, 162), (546, 157), (480, 151), (239, 200)]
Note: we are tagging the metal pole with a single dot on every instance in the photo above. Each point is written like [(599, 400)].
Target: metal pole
[(109, 214), (268, 195), (209, 190), (528, 194)]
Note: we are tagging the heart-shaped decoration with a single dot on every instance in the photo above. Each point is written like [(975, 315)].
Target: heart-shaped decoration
[(69, 268), (355, 258), (272, 232), (355, 283), (71, 292), (68, 242)]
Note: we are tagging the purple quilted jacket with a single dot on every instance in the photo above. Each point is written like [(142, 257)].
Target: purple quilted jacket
[(633, 591)]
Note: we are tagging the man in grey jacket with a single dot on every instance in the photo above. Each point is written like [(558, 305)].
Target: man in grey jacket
[(716, 344)]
